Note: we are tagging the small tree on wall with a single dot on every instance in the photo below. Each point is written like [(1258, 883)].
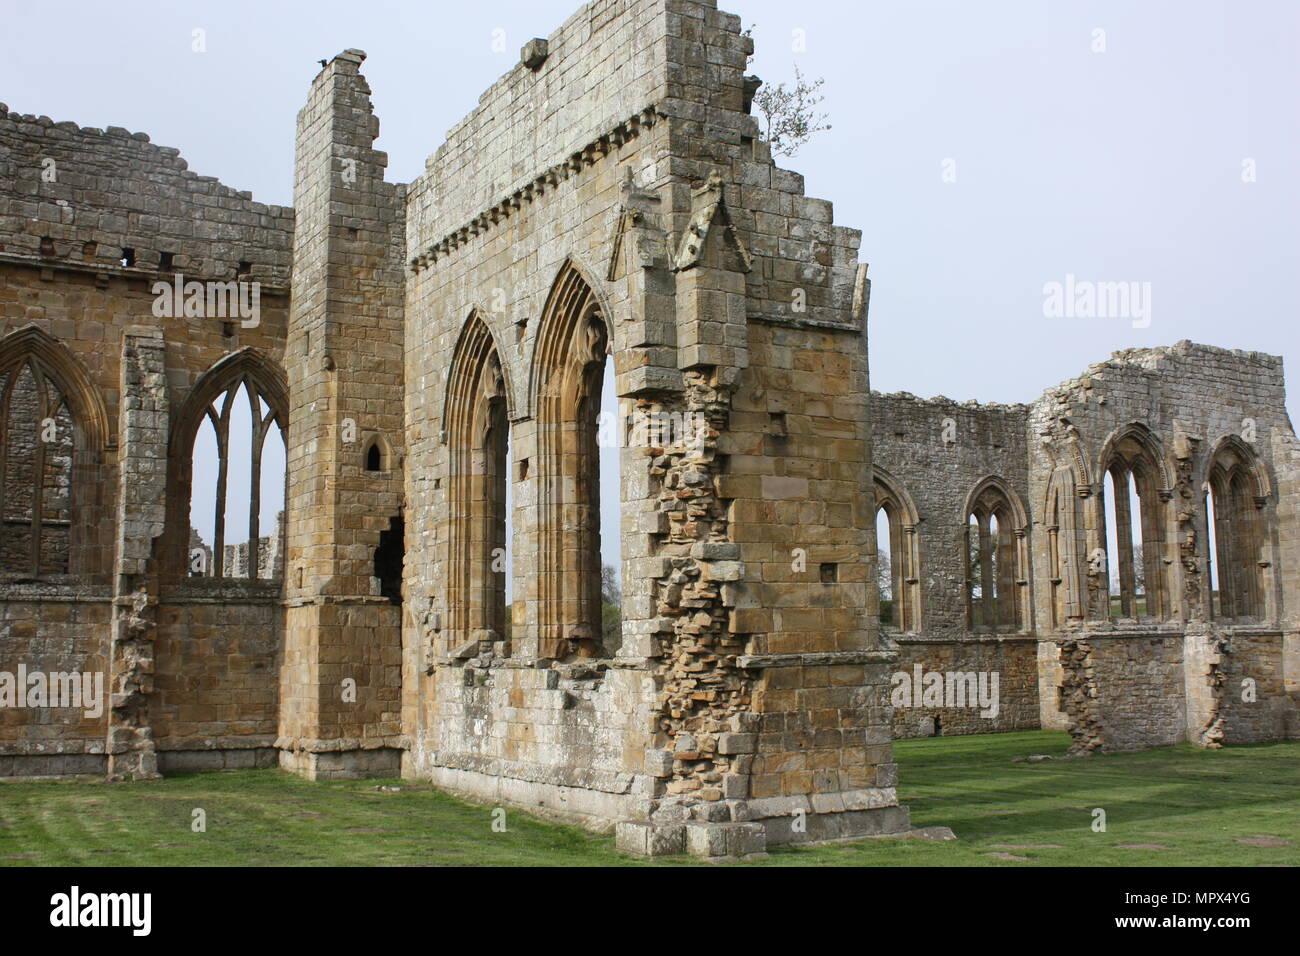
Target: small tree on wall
[(790, 116)]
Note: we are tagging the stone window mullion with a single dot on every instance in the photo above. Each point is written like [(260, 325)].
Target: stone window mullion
[(988, 586), (1124, 541)]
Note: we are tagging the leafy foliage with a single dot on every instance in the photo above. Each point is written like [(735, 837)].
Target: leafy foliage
[(790, 115)]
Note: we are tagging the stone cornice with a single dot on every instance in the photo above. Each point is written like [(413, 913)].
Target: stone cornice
[(791, 322)]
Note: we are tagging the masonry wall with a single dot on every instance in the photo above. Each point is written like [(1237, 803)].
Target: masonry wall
[(1118, 674), (72, 200), (935, 453), (94, 192), (1013, 659), (216, 698), (799, 455), (1139, 686), (341, 674), (563, 178), (1257, 705), (62, 631), (1286, 465), (658, 195)]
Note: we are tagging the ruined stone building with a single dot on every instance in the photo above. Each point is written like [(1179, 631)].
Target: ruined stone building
[(431, 352)]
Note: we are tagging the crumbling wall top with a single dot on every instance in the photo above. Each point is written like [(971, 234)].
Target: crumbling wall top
[(944, 402), (110, 199), (1184, 358)]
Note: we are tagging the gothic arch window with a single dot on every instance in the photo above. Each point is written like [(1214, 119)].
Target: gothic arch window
[(1065, 548), (897, 551), (478, 434), (1135, 490), (228, 452), (51, 430), (996, 558), (567, 374), (1235, 498)]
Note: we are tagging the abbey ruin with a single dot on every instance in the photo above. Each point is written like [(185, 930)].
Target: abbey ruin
[(430, 355)]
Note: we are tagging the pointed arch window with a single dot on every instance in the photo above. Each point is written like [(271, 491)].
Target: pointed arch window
[(1235, 502), (897, 561), (228, 449), (478, 435), (1133, 505), (567, 374), (1065, 555), (37, 444), (243, 430), (52, 429), (996, 559)]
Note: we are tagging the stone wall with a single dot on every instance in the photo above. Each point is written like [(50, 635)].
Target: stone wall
[(1130, 682), (935, 453), (341, 675), (609, 203), (53, 630), (85, 196), (216, 685), (752, 675), (1013, 659), (72, 201)]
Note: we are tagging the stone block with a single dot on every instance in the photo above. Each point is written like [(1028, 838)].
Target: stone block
[(714, 840), (735, 743), (650, 839)]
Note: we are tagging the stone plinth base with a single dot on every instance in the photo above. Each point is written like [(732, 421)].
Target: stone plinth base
[(831, 827), (52, 765), (714, 841), (188, 761), (772, 822), (343, 764), (566, 797)]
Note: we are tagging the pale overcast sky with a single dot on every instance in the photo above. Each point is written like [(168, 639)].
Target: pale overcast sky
[(1122, 165)]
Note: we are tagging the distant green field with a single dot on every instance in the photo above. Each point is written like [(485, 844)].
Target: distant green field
[(1177, 806)]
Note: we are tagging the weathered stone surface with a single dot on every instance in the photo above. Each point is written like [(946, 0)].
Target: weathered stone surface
[(608, 205), (735, 840)]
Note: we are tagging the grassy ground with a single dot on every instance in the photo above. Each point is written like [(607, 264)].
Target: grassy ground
[(1170, 807)]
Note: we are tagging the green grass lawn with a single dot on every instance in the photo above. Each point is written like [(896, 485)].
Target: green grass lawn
[(1170, 807)]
